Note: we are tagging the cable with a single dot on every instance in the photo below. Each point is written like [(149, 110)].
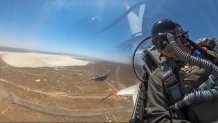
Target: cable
[(133, 57), (200, 95)]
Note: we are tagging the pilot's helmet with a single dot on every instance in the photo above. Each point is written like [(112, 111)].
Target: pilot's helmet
[(165, 26)]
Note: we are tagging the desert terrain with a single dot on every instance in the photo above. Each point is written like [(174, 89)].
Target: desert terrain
[(38, 87)]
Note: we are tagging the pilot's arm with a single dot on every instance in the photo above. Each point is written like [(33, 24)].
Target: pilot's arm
[(158, 104), (211, 45)]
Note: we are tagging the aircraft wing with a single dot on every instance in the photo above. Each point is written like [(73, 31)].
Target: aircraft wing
[(130, 91), (135, 21)]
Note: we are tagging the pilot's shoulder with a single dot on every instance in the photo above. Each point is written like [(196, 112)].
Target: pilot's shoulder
[(155, 80), (156, 73)]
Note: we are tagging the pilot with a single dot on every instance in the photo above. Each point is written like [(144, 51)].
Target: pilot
[(185, 89)]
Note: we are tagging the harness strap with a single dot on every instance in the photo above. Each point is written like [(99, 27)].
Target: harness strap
[(171, 83)]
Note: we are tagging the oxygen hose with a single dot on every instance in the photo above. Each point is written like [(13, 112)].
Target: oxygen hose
[(199, 95)]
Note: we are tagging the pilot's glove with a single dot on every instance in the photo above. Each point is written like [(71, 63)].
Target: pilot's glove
[(208, 43)]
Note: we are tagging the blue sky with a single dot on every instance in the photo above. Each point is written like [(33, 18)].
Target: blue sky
[(72, 26)]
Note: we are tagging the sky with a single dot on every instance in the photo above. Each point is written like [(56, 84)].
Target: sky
[(74, 26)]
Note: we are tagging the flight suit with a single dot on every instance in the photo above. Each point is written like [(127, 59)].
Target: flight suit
[(158, 101)]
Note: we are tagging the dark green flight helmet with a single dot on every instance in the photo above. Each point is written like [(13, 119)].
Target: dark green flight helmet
[(164, 26)]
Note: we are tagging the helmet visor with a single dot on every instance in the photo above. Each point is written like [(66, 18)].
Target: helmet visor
[(160, 42)]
